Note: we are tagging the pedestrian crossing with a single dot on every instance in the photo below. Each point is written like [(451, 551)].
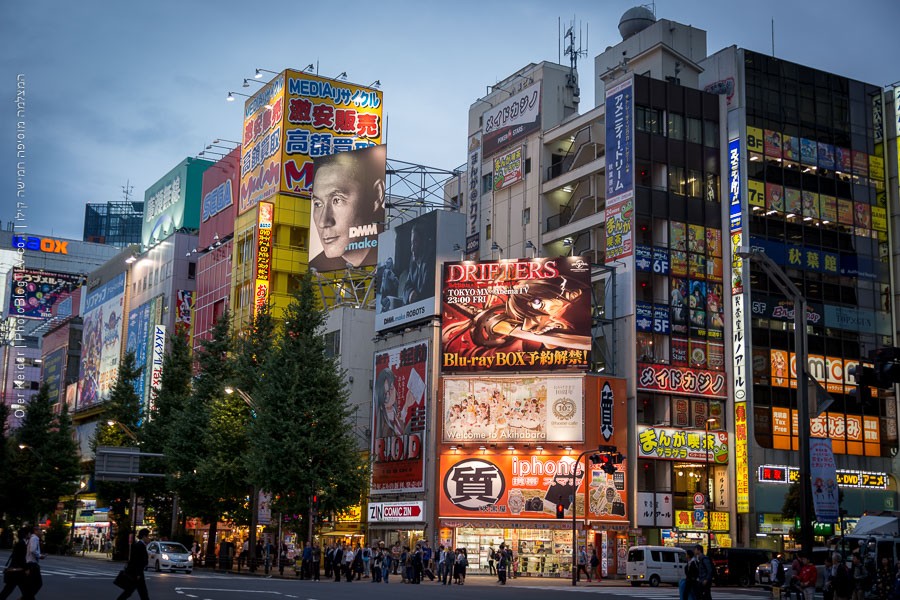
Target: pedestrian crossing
[(649, 593)]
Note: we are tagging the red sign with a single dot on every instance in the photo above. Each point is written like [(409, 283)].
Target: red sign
[(680, 380), (516, 315)]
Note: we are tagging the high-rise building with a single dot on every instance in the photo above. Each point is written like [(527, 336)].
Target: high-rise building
[(113, 223)]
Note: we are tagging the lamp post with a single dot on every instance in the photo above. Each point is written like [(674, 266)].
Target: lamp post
[(790, 289), (709, 504), (81, 486), (574, 511), (254, 500)]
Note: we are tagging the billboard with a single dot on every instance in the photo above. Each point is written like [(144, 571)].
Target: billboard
[(398, 419), (184, 311), (473, 197), (679, 380), (156, 364), (513, 120), (516, 315), (347, 211), (322, 117), (261, 145), (264, 221), (688, 445), (35, 292), (513, 409), (53, 370), (509, 168), (408, 258), (173, 202), (101, 340), (527, 487), (619, 171), (137, 341)]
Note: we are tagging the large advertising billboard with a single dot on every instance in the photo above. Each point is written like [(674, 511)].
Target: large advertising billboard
[(101, 341), (261, 145), (398, 419), (509, 168), (174, 201), (53, 370), (516, 315), (264, 220), (512, 120), (408, 259), (347, 211), (513, 409), (137, 341), (35, 292), (619, 171), (322, 117)]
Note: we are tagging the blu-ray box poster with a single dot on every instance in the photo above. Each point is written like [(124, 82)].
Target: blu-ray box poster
[(516, 315)]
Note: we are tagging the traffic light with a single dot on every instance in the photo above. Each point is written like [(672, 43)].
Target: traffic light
[(606, 464), (560, 510), (866, 381), (314, 506)]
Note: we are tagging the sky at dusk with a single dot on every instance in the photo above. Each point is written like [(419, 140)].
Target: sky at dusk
[(121, 92)]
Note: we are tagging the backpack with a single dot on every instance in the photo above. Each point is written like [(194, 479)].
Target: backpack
[(778, 575), (692, 570)]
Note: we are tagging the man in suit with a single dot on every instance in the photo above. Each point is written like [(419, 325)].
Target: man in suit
[(137, 562)]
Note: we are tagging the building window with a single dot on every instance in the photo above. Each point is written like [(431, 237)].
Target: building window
[(486, 183), (526, 216), (527, 166), (487, 231), (694, 131), (332, 343), (694, 184), (676, 126), (648, 119), (299, 237), (676, 180), (711, 134), (192, 270)]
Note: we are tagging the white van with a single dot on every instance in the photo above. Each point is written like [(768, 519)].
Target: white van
[(655, 565)]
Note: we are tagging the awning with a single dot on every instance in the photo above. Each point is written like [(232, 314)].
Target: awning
[(869, 525)]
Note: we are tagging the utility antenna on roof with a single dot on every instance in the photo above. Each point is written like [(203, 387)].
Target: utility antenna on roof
[(573, 53), (126, 190)]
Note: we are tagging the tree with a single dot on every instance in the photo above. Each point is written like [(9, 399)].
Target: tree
[(118, 423), (45, 466), (301, 442), (6, 481), (171, 396)]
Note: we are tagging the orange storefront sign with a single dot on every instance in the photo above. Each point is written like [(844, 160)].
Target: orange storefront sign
[(850, 434)]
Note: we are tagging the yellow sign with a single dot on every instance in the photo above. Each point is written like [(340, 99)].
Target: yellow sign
[(261, 147), (263, 255), (742, 457), (879, 218), (695, 520), (757, 193), (755, 139)]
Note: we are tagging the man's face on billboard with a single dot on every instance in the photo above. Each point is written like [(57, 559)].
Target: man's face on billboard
[(341, 201)]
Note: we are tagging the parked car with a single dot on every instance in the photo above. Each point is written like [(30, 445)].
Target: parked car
[(738, 566), (764, 574), (655, 565), (169, 556)]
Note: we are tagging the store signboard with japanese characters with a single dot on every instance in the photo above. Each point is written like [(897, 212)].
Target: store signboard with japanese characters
[(686, 445), (512, 120), (678, 380)]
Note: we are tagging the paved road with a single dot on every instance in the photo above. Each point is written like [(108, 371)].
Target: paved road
[(76, 578)]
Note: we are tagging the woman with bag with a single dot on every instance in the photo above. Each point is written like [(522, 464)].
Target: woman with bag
[(15, 573)]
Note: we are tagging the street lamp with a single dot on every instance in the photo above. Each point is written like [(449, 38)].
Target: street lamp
[(709, 504), (81, 486), (793, 293), (254, 501), (127, 431)]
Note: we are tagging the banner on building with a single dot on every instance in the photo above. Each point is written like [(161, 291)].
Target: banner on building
[(347, 211), (680, 380), (156, 364), (35, 292), (473, 197), (264, 222), (823, 473), (516, 315), (101, 341), (512, 120), (509, 168), (620, 170), (399, 418), (513, 409)]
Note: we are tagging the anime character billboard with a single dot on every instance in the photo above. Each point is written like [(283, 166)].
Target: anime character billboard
[(516, 315)]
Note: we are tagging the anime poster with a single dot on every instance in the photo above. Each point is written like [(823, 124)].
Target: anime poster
[(714, 307), (809, 152), (843, 160), (40, 291), (677, 236), (790, 146), (713, 241), (860, 162), (679, 263), (101, 341), (862, 215), (714, 269), (696, 239), (845, 212), (774, 197), (697, 266), (829, 208), (513, 409), (398, 419), (697, 304), (678, 300), (516, 315), (184, 310), (810, 204), (773, 143), (794, 201), (826, 156)]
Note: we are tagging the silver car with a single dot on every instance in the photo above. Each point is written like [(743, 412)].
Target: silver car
[(169, 556)]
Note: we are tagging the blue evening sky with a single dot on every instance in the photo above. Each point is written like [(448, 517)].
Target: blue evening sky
[(123, 91)]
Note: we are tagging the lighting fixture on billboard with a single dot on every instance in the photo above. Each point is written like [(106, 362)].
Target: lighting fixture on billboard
[(375, 84), (247, 82), (217, 140), (259, 73), (231, 96), (215, 145), (205, 152), (343, 75)]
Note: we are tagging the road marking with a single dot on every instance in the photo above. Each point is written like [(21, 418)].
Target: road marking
[(224, 590), (643, 592)]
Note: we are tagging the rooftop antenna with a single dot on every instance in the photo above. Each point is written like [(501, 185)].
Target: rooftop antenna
[(573, 53), (773, 37), (127, 189)]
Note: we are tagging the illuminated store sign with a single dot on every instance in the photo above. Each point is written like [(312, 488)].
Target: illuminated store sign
[(689, 445), (43, 244), (845, 478), (678, 380)]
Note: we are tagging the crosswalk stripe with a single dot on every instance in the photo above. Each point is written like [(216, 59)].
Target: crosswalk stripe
[(640, 592)]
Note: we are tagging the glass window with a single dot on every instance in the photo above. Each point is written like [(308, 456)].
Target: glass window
[(676, 180), (486, 183), (712, 187), (711, 134), (526, 216), (694, 184), (676, 126), (694, 130)]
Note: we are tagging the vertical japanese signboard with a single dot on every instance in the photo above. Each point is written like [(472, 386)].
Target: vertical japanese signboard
[(619, 171), (261, 145), (263, 254), (159, 351), (398, 419), (473, 200), (739, 327)]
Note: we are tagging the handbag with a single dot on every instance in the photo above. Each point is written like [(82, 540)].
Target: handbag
[(123, 580), (13, 574)]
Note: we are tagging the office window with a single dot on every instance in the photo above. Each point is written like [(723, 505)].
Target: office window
[(676, 180), (694, 130), (676, 126), (332, 341), (648, 119), (486, 183), (526, 216)]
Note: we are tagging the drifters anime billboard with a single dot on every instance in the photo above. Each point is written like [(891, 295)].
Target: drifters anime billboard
[(516, 315)]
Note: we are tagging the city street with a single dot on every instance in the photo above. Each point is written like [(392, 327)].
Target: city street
[(77, 578)]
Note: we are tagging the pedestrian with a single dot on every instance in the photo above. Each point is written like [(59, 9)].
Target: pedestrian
[(704, 575), (595, 564), (387, 559), (329, 551), (366, 558), (16, 573), (306, 562), (358, 564), (842, 581), (860, 578), (502, 564), (377, 559), (137, 562), (282, 558), (349, 558), (691, 571), (885, 579), (807, 577), (462, 561), (583, 565), (404, 563), (828, 579), (32, 558), (492, 557), (777, 576), (395, 555), (316, 560), (337, 561)]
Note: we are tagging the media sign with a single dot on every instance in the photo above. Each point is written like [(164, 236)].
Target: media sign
[(512, 120), (397, 512)]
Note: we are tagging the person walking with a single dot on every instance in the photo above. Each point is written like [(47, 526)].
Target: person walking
[(387, 559), (395, 555), (595, 564), (349, 558), (860, 578), (16, 573), (366, 559), (686, 585), (704, 575), (137, 562), (306, 562), (462, 561), (583, 565), (807, 577), (492, 556), (337, 561), (502, 564), (316, 560), (842, 580), (377, 559), (32, 558)]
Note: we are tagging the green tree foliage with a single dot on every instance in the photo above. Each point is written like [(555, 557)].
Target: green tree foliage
[(301, 442), (45, 465), (173, 393), (6, 480), (118, 426)]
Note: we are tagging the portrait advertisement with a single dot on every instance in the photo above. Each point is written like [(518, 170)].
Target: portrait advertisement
[(516, 315), (347, 208), (398, 419), (513, 409), (408, 257), (101, 341)]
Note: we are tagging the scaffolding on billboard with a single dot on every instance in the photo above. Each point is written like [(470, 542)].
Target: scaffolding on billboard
[(411, 190)]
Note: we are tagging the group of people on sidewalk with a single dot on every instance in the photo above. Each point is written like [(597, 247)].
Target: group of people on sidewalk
[(23, 569), (698, 576), (378, 562)]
